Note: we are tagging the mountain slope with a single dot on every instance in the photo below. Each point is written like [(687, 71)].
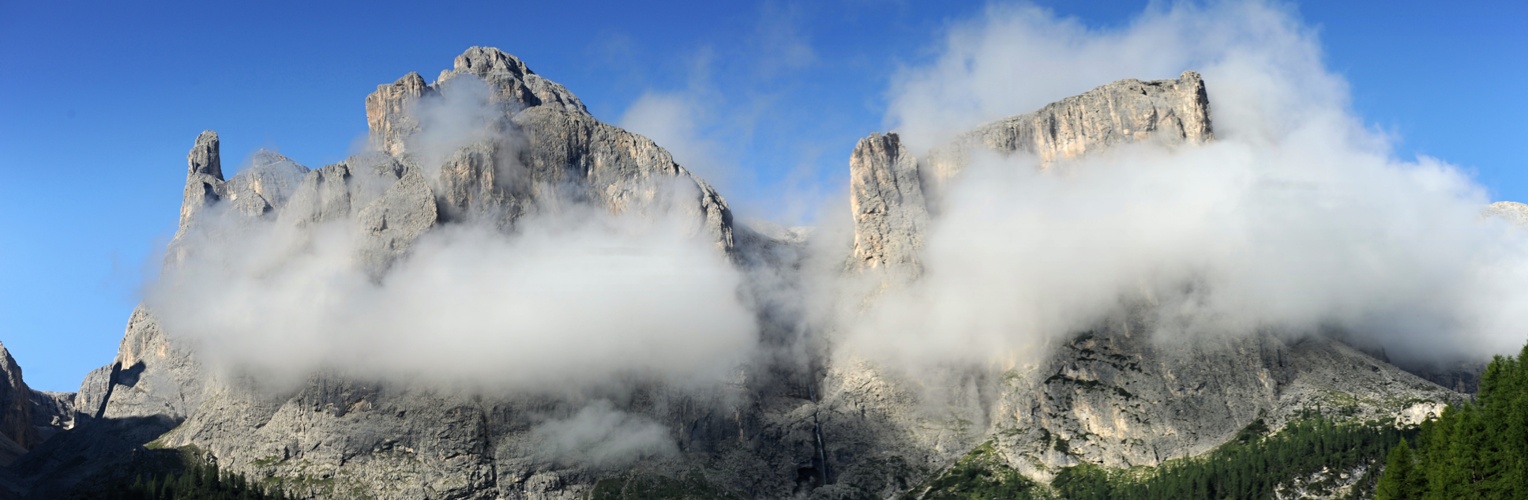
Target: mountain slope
[(800, 420)]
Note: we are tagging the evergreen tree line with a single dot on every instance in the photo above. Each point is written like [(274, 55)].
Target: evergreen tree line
[(1251, 466), (1475, 450), (198, 481)]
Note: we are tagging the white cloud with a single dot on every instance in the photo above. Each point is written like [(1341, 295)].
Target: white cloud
[(1298, 219), (573, 299)]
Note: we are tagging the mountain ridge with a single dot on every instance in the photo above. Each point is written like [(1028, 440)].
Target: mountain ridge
[(824, 427)]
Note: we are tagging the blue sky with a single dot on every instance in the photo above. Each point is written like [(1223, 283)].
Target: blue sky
[(101, 100)]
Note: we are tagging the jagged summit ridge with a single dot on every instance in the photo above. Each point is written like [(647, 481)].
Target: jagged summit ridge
[(389, 109), (893, 193), (204, 177), (1171, 111), (543, 145)]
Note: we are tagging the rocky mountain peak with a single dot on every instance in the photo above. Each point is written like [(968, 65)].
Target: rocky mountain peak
[(204, 177), (513, 82), (387, 111)]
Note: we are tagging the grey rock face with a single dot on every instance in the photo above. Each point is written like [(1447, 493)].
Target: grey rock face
[(15, 407), (204, 178), (514, 84), (886, 198), (544, 152), (892, 193), (593, 162), (90, 401), (389, 113), (1170, 111), (1112, 397), (28, 417), (395, 219), (1119, 399), (52, 412), (152, 376), (268, 183)]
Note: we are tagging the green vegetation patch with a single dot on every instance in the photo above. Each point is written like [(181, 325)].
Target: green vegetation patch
[(1249, 466), (980, 474), (184, 475), (1475, 450)]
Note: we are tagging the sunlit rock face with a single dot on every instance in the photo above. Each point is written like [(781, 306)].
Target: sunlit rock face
[(892, 191)]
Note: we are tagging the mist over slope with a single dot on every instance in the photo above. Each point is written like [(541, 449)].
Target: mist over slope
[(1297, 218)]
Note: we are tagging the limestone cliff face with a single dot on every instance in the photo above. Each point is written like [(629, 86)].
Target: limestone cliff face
[(27, 417), (886, 198), (15, 408), (204, 177), (1171, 111), (542, 149), (892, 192), (388, 112)]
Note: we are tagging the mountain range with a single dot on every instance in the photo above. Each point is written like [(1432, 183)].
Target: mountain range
[(766, 398)]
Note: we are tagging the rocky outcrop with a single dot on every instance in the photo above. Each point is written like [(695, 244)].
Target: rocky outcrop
[(593, 162), (389, 112), (152, 375), (52, 412), (27, 417), (1169, 111), (268, 182), (395, 219), (1113, 397), (16, 430), (204, 178), (892, 192), (513, 83), (90, 401), (886, 198), (1116, 397)]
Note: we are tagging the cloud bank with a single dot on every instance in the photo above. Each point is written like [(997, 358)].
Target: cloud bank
[(1297, 220)]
